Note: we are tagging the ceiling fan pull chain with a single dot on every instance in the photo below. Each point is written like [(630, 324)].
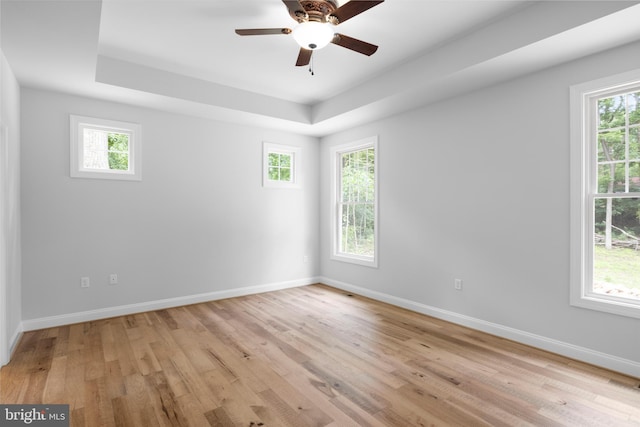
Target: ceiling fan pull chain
[(311, 67)]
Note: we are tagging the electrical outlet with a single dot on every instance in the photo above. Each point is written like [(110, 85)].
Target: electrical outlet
[(457, 284), (113, 279), (85, 282)]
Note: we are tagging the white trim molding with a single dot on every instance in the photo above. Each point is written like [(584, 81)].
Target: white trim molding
[(77, 125), (583, 189), (608, 361), (123, 310), (4, 165), (335, 154), (597, 358), (295, 156)]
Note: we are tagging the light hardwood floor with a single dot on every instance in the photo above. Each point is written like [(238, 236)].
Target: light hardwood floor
[(309, 356)]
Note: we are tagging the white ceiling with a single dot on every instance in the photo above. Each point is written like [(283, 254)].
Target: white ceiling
[(197, 38), (183, 55)]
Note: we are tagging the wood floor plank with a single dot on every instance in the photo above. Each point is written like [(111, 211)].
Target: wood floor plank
[(308, 356), (54, 387)]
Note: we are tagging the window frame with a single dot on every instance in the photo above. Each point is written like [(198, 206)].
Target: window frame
[(583, 191), (296, 158), (78, 123), (335, 156)]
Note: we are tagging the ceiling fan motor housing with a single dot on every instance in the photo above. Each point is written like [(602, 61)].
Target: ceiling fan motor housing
[(315, 10)]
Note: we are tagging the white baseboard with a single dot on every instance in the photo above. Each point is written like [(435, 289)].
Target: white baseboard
[(15, 337), (608, 361), (11, 345), (597, 358), (123, 310)]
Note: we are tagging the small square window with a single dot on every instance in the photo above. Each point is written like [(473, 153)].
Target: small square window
[(105, 149), (281, 166)]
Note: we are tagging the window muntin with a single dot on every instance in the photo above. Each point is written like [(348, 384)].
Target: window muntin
[(605, 269), (281, 166), (105, 149), (355, 200)]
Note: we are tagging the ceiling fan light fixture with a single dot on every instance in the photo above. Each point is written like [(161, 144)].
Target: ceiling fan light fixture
[(313, 35)]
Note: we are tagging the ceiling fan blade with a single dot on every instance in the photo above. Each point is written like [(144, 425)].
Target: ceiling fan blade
[(262, 31), (295, 6), (353, 8), (304, 57), (354, 44)]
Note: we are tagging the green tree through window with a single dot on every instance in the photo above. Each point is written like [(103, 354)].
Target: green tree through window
[(617, 202), (280, 167), (357, 204), (118, 151)]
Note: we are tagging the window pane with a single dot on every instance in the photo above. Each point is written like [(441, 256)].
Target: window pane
[(118, 142), (358, 172), (357, 229), (95, 149), (274, 159), (119, 161), (611, 112), (604, 179), (633, 108), (611, 178), (611, 146), (285, 174), (634, 177), (274, 173), (285, 160), (616, 260), (634, 143)]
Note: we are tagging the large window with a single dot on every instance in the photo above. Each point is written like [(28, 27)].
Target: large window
[(105, 149), (355, 198), (606, 195)]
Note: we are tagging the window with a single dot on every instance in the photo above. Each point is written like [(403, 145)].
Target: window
[(280, 168), (355, 195), (605, 199), (105, 149)]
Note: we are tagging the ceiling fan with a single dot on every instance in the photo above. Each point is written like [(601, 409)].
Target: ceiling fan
[(316, 19)]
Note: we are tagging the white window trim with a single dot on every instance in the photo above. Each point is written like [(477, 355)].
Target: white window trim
[(581, 213), (4, 191), (335, 152), (76, 148), (296, 159)]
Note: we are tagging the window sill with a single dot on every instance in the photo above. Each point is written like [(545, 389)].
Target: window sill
[(607, 305), (354, 259)]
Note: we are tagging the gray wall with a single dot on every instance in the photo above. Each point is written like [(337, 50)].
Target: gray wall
[(477, 188), (199, 222), (10, 258)]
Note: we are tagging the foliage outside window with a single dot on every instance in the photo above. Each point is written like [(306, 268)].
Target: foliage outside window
[(610, 202), (281, 166), (355, 222), (105, 149)]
